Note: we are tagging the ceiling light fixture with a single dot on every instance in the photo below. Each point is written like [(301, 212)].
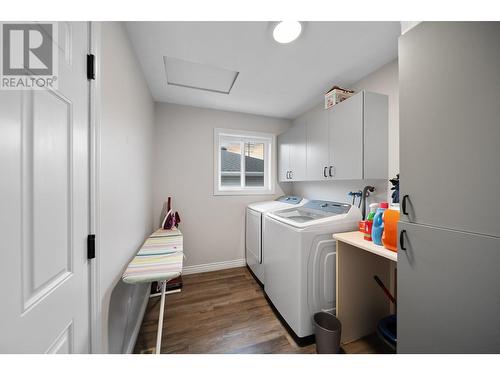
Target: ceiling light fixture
[(287, 31)]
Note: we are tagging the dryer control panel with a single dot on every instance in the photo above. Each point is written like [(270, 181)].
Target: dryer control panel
[(333, 207), (289, 199)]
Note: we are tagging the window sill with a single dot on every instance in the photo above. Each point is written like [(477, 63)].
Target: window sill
[(243, 192)]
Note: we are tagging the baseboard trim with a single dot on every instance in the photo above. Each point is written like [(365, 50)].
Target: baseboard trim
[(137, 327), (216, 266)]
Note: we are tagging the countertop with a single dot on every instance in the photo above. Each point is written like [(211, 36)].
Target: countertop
[(356, 239)]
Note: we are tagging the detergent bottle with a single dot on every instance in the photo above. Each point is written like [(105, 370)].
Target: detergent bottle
[(389, 238), (378, 224), (369, 221)]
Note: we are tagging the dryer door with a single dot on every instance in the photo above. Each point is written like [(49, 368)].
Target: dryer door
[(253, 237)]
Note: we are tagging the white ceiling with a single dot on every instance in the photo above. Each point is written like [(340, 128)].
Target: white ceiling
[(274, 80)]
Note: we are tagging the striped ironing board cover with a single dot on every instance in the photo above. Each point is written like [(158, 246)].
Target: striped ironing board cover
[(160, 258)]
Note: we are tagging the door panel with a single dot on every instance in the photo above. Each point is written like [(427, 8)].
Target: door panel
[(50, 170), (448, 295), (449, 143), (317, 145), (44, 164), (346, 138)]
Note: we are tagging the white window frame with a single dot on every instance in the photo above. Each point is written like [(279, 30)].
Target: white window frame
[(243, 136)]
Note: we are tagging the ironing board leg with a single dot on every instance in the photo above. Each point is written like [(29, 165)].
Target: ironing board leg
[(160, 318)]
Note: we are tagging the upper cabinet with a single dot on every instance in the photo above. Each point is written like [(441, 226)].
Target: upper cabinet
[(284, 156), (346, 142), (292, 153), (375, 136), (345, 123), (317, 145)]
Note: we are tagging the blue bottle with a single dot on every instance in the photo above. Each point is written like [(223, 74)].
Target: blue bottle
[(378, 224)]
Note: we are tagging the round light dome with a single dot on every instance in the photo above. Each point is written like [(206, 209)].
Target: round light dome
[(287, 31)]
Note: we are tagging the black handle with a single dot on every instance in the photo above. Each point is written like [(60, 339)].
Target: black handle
[(403, 205), (324, 172), (287, 175), (402, 240), (330, 170), (291, 175)]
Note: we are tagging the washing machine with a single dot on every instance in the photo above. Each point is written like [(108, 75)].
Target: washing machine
[(254, 228), (300, 261)]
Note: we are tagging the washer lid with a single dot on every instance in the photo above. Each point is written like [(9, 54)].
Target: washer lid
[(278, 204), (313, 212)]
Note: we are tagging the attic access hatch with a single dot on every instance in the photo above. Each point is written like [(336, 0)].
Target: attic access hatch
[(198, 76)]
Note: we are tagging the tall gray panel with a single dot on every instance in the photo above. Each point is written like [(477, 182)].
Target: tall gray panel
[(448, 292), (450, 125)]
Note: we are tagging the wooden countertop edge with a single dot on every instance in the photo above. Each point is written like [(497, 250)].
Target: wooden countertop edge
[(356, 239)]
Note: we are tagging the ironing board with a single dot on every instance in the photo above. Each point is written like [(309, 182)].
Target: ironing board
[(159, 259)]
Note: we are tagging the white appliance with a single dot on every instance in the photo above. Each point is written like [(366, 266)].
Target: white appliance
[(300, 259), (254, 229)]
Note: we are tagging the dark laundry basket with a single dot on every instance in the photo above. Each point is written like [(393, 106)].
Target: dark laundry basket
[(387, 330), (327, 329)]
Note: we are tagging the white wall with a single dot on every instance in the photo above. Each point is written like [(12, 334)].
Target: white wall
[(383, 81), (125, 181), (213, 226)]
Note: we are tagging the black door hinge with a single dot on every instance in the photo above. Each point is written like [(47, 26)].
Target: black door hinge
[(90, 66), (91, 246)]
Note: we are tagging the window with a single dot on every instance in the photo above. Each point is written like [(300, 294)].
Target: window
[(244, 162)]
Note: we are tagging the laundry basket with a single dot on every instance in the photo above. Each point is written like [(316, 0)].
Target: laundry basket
[(327, 329)]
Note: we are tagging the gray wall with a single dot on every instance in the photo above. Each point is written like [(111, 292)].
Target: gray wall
[(213, 226), (383, 81), (125, 182)]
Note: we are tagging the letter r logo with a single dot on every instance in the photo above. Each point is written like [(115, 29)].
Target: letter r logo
[(27, 49)]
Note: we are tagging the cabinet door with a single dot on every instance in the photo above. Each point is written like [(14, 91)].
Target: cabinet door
[(448, 294), (449, 80), (298, 151), (376, 136), (284, 156), (346, 138), (317, 145)]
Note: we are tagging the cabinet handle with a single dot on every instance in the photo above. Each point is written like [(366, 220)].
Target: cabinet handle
[(330, 171), (324, 172), (402, 240), (403, 205), (287, 175), (291, 175)]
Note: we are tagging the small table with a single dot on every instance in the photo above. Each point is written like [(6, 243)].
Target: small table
[(159, 259), (361, 303)]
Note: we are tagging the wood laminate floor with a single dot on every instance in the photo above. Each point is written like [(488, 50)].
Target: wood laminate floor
[(225, 312)]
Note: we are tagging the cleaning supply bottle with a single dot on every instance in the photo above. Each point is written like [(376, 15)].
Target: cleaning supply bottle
[(389, 238), (378, 224), (369, 221)]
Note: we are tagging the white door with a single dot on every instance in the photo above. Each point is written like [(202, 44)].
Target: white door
[(317, 145), (44, 215), (346, 138)]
